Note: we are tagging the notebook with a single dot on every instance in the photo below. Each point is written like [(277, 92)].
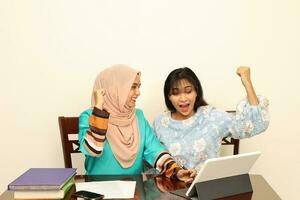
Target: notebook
[(44, 194), (42, 179)]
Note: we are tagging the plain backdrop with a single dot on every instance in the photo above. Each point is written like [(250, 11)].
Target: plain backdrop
[(52, 50)]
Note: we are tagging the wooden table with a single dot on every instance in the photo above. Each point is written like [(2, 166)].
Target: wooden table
[(158, 187)]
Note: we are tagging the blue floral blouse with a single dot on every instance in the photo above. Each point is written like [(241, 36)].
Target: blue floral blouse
[(199, 137)]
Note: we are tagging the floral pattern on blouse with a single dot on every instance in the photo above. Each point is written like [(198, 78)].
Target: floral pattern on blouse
[(199, 137)]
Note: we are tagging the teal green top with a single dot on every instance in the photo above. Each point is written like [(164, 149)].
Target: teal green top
[(106, 164)]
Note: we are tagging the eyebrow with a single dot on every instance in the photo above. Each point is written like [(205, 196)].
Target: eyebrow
[(189, 86), (184, 87), (136, 83)]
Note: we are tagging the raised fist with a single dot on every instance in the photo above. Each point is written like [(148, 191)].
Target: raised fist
[(99, 98), (244, 73)]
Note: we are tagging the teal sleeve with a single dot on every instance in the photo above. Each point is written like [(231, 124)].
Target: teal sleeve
[(153, 147), (83, 127)]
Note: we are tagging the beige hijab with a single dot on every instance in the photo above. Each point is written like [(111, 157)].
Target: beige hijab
[(122, 133)]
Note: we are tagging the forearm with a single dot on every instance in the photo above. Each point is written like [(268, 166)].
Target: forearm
[(244, 73), (251, 95), (96, 134)]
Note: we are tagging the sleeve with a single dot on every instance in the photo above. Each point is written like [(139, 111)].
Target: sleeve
[(157, 155), (155, 128), (92, 131), (249, 120)]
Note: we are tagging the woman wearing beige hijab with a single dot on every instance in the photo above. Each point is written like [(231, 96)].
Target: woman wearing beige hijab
[(115, 136)]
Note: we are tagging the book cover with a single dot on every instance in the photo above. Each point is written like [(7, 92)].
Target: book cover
[(42, 179), (44, 194)]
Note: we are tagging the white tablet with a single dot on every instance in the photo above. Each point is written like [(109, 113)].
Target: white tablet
[(222, 167)]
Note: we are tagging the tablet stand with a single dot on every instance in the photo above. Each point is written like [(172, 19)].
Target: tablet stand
[(223, 187)]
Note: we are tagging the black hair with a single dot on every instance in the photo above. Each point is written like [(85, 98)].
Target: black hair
[(174, 77)]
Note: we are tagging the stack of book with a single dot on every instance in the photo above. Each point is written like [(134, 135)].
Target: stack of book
[(43, 183)]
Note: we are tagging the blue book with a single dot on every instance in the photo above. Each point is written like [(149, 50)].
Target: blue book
[(42, 179)]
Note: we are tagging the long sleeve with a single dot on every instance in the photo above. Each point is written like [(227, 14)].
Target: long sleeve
[(198, 138), (248, 121), (92, 131), (157, 155)]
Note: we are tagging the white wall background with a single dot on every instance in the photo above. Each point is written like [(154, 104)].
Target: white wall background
[(51, 51)]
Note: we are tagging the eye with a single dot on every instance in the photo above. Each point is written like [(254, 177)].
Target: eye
[(188, 90), (175, 91), (134, 86)]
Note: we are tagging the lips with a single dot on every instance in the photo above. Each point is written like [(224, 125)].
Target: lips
[(184, 107), (134, 99)]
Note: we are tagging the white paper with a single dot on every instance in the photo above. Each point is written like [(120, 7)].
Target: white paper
[(110, 189)]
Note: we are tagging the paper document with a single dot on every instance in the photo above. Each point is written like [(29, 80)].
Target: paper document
[(110, 189)]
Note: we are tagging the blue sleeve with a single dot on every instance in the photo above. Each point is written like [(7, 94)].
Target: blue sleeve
[(155, 128), (249, 120), (83, 127)]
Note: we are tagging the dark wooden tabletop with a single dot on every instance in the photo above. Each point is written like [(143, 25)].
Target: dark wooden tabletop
[(159, 187)]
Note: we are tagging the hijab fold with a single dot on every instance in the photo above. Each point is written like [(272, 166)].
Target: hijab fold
[(122, 133)]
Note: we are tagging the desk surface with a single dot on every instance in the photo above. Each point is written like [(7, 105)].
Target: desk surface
[(158, 187)]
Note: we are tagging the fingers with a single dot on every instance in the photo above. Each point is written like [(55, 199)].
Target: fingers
[(185, 172), (100, 91), (99, 94), (190, 180), (193, 172), (242, 70), (190, 172), (99, 100), (187, 175), (244, 73)]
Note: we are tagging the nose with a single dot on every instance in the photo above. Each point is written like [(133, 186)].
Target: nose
[(137, 91), (182, 96)]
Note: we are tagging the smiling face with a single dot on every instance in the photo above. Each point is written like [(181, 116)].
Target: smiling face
[(182, 97), (134, 92)]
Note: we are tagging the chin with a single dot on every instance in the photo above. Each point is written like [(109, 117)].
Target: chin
[(132, 106), (187, 114)]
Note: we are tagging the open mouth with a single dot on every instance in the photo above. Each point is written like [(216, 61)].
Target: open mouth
[(184, 107)]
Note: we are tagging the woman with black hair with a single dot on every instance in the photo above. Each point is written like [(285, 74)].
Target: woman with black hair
[(192, 130), (114, 135)]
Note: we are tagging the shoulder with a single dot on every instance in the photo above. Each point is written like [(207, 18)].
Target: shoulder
[(205, 110), (162, 116), (210, 112), (85, 114), (140, 117), (139, 113)]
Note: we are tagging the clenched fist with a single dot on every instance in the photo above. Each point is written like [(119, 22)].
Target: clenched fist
[(99, 98), (244, 73)]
